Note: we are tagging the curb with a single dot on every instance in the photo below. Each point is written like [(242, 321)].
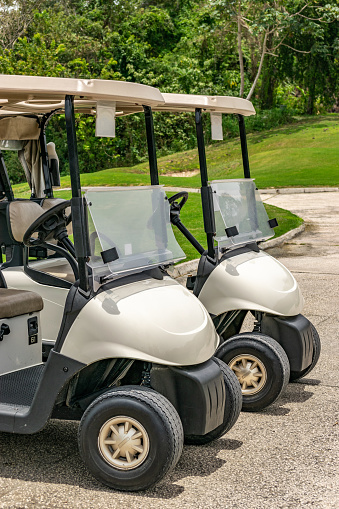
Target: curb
[(299, 190), (188, 268)]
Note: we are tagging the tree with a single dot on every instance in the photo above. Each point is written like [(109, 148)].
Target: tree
[(263, 27), (15, 18)]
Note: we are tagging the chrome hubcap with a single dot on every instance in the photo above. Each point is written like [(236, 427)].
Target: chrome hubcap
[(250, 372), (123, 443)]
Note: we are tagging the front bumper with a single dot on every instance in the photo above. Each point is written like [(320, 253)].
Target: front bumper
[(294, 333), (197, 393)]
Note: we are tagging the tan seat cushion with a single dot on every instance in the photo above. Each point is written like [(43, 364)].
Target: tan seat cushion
[(19, 302), (21, 215)]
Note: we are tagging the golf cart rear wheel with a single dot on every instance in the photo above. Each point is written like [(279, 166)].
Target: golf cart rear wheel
[(233, 402), (296, 375), (130, 438), (260, 365)]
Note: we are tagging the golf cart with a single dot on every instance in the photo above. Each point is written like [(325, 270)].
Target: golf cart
[(235, 277), (132, 352)]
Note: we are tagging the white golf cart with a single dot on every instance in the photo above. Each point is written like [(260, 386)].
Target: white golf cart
[(131, 349), (235, 277)]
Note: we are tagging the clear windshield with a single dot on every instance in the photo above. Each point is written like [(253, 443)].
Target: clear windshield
[(131, 227), (238, 203)]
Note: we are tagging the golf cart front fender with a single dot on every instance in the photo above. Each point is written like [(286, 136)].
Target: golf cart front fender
[(252, 281), (154, 321)]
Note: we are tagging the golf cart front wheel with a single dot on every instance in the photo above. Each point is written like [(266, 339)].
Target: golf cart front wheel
[(130, 437), (296, 375), (233, 402), (260, 365)]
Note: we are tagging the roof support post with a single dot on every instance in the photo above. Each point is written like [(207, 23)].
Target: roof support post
[(152, 155), (5, 185), (206, 191), (245, 161), (44, 159), (79, 214)]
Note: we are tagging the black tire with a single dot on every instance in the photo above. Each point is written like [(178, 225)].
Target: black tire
[(268, 360), (131, 411), (296, 375), (233, 405)]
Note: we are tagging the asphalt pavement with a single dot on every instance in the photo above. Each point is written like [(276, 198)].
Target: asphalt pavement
[(283, 457)]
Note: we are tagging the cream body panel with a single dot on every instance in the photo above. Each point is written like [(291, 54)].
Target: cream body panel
[(253, 281), (54, 300), (150, 320)]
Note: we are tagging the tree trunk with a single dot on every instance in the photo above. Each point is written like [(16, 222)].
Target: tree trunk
[(264, 48), (241, 58)]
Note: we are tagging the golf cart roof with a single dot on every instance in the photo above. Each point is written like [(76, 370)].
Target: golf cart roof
[(40, 95), (212, 104)]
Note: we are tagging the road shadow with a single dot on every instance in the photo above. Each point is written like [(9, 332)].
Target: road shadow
[(294, 393), (197, 461), (51, 456)]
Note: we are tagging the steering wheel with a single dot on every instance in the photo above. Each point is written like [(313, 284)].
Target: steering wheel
[(53, 221), (178, 206)]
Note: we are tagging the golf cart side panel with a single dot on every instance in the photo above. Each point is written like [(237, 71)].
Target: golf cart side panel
[(176, 329), (32, 417), (252, 281), (54, 300)]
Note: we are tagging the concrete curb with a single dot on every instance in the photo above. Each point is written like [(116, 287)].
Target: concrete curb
[(299, 190), (283, 238), (283, 190), (187, 268)]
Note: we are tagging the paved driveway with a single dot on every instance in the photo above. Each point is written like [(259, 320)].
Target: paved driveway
[(284, 457)]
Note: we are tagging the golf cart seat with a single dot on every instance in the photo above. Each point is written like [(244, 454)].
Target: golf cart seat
[(18, 302), (20, 215)]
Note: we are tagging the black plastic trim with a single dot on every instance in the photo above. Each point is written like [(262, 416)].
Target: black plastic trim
[(273, 223), (205, 267), (232, 231), (109, 255), (75, 302), (155, 273), (197, 392), (294, 334)]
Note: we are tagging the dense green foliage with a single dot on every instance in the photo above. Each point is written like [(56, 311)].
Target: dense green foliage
[(186, 46)]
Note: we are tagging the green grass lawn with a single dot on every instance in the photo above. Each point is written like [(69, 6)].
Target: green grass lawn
[(191, 215), (302, 154)]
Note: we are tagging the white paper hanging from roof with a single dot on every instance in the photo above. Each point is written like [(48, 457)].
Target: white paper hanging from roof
[(105, 119), (216, 126)]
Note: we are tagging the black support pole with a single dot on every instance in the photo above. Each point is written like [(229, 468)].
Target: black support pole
[(72, 147), (152, 155), (44, 159), (244, 151), (5, 185), (206, 191), (79, 217)]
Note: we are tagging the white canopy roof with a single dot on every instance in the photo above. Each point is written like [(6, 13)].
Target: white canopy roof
[(212, 104), (37, 94)]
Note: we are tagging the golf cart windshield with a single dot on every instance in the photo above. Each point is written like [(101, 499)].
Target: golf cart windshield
[(130, 230), (240, 215)]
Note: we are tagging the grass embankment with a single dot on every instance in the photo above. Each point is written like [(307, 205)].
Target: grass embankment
[(302, 154), (191, 216)]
